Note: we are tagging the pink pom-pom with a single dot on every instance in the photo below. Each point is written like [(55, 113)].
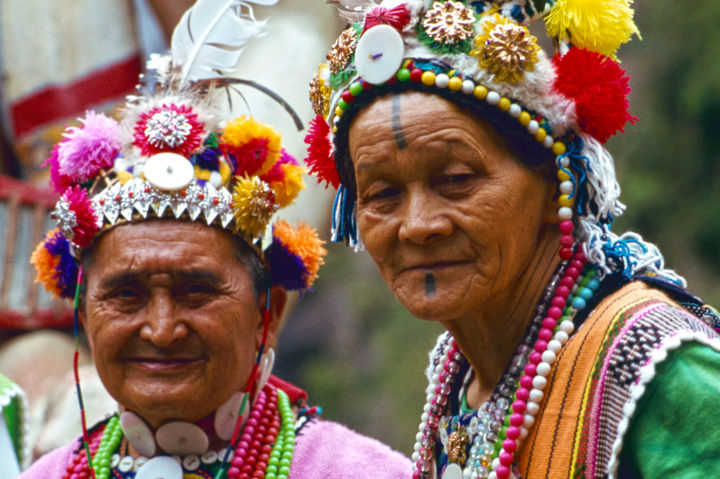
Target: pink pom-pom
[(85, 217), (397, 17), (58, 181), (320, 158), (88, 149), (599, 88)]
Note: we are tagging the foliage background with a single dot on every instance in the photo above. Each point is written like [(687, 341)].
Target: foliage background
[(362, 355)]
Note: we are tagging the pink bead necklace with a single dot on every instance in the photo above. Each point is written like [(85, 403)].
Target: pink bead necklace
[(565, 296)]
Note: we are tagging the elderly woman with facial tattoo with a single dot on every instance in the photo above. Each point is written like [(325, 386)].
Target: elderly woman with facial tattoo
[(472, 169), (165, 242)]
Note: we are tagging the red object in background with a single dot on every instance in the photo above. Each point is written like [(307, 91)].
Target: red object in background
[(24, 214), (56, 102)]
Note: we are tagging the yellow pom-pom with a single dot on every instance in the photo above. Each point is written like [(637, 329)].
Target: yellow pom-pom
[(201, 174), (46, 266), (303, 242), (254, 205), (244, 130), (287, 190), (598, 26), (224, 170)]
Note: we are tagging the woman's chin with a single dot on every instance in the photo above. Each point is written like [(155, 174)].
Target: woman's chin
[(433, 308)]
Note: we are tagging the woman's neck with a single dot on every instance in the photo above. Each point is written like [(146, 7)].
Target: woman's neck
[(490, 338)]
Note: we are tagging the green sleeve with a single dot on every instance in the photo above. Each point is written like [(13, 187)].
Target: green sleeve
[(676, 429)]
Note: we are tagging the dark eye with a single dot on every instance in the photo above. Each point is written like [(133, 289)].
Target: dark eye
[(195, 294), (455, 179)]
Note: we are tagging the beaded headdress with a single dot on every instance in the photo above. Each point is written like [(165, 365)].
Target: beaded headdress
[(172, 155), (482, 53)]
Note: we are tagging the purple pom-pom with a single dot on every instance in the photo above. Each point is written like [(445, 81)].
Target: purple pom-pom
[(286, 269), (207, 159), (88, 149), (67, 270)]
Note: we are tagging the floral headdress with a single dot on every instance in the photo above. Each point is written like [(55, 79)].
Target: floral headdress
[(173, 156), (481, 52)]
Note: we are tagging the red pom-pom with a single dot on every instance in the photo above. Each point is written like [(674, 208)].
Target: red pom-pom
[(320, 158), (599, 88), (397, 17), (85, 217)]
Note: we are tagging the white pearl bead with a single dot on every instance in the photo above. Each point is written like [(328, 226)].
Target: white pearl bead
[(442, 80), (533, 127), (418, 436), (415, 455), (523, 432), (565, 161), (336, 120), (567, 326), (424, 417), (548, 142), (492, 475), (426, 407), (515, 110), (468, 87), (543, 368), (548, 356), (561, 337), (554, 345), (493, 97), (565, 213), (539, 382), (495, 463), (532, 408), (566, 187), (536, 395), (528, 420)]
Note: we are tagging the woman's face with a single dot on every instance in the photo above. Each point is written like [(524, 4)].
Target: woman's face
[(449, 215)]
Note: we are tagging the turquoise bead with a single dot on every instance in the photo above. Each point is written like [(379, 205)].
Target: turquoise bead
[(586, 293), (593, 284), (579, 303)]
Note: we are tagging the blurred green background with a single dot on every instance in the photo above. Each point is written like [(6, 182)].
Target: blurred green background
[(362, 356)]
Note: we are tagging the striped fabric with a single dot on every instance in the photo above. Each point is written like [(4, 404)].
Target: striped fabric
[(597, 379)]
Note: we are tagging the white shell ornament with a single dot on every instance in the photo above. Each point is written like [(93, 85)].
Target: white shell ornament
[(137, 433), (182, 438), (379, 54), (226, 416), (169, 171), (452, 471), (161, 467)]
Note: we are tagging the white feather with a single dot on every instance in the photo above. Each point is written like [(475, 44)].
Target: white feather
[(211, 36)]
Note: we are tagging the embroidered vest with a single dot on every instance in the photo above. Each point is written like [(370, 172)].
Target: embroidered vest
[(600, 375)]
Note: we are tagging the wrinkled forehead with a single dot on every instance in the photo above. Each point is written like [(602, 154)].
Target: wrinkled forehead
[(160, 244)]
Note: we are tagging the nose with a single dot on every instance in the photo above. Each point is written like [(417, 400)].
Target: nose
[(423, 219), (163, 325)]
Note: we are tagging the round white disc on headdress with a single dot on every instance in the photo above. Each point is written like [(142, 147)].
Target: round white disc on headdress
[(379, 54), (182, 438), (161, 467), (169, 171)]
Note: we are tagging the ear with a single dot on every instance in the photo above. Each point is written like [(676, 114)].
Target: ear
[(278, 301)]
